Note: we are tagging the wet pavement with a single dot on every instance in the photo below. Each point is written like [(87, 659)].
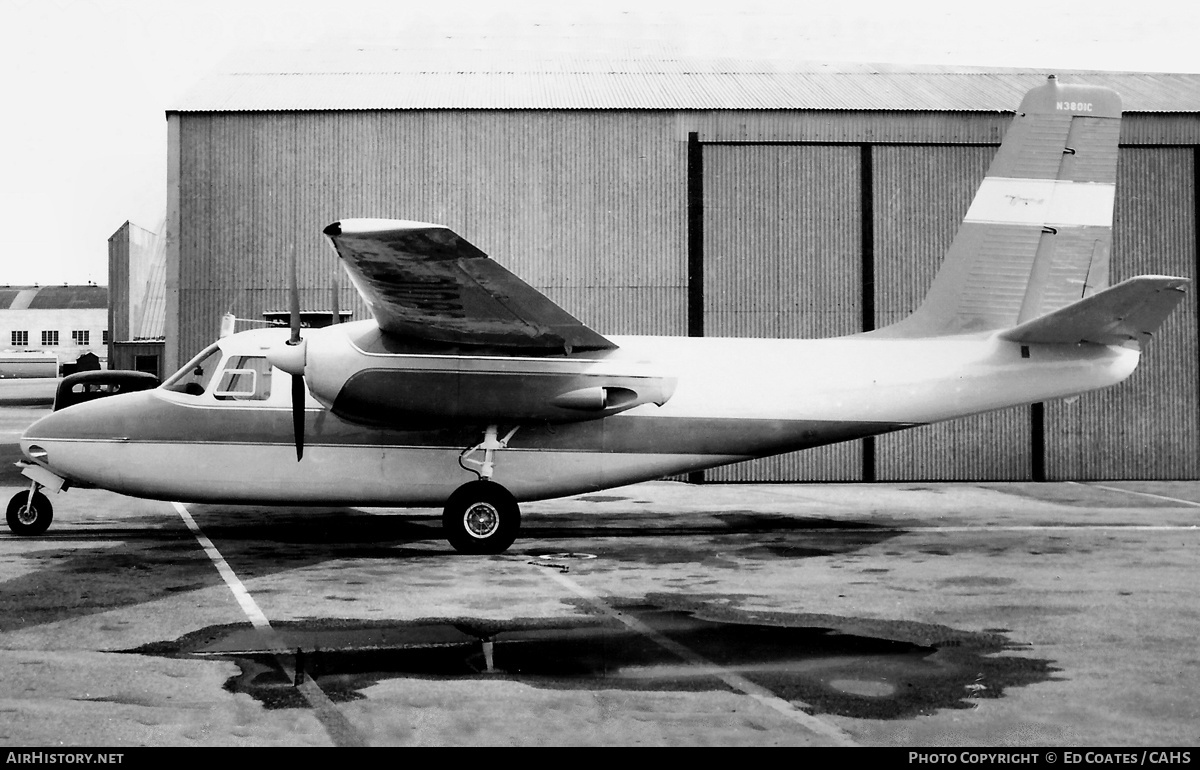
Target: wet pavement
[(656, 614)]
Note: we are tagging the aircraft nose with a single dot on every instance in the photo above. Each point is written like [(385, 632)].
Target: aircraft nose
[(106, 419)]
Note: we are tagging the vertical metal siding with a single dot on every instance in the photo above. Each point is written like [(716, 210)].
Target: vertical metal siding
[(921, 196), (845, 126), (782, 258), (588, 207), (1148, 426), (118, 286)]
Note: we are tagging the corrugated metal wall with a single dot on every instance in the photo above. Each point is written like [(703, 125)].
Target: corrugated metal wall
[(1146, 427), (783, 258), (588, 207), (118, 287)]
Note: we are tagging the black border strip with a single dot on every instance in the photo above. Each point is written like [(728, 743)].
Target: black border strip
[(867, 277), (695, 239), (695, 248)]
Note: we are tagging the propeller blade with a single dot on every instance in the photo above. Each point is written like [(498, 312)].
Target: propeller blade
[(297, 371), (298, 413), (294, 298)]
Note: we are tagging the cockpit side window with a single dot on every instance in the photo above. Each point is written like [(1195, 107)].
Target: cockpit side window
[(244, 378), (194, 377)]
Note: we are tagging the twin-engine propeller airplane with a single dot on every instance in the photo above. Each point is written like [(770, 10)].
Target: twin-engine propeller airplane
[(468, 374)]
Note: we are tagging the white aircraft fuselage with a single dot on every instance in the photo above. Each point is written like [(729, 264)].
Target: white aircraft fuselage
[(731, 400)]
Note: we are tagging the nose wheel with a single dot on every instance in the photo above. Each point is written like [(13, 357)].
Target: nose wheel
[(29, 513), (481, 517)]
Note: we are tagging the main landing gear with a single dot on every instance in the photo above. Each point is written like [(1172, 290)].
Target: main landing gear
[(29, 512), (482, 517)]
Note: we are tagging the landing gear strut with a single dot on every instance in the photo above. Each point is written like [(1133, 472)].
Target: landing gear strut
[(29, 512), (482, 517)]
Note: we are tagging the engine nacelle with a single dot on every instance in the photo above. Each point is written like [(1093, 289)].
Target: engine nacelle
[(363, 379)]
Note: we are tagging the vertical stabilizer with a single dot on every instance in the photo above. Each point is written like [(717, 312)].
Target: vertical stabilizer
[(1038, 234)]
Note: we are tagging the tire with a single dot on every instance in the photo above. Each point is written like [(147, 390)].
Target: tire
[(32, 519), (481, 517)]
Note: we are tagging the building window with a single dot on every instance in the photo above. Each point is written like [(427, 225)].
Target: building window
[(20, 338), (104, 337), (50, 338), (81, 337)]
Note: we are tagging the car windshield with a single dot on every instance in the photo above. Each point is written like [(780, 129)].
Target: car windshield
[(194, 377)]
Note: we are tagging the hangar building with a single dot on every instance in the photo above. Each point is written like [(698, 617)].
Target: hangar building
[(661, 195), (137, 281)]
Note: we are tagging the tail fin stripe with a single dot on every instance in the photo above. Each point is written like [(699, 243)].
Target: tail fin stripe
[(1003, 200)]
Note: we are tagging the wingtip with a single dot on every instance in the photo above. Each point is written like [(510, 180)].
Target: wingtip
[(369, 226)]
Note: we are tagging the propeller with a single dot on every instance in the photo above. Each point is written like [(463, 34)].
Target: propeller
[(290, 358)]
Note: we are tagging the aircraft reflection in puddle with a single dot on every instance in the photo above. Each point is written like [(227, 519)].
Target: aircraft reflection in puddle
[(872, 674)]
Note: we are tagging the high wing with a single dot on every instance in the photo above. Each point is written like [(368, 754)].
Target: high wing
[(427, 285)]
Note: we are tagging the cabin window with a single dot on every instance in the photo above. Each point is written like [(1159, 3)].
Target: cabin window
[(194, 377), (245, 378), (20, 338)]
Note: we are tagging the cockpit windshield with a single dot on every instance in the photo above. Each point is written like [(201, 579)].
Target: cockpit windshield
[(194, 377)]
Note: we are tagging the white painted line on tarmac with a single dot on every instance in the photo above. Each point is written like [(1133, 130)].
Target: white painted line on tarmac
[(736, 681), (247, 603), (1135, 492), (330, 716)]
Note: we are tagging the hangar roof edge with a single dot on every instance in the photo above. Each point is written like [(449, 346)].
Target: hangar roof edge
[(627, 84)]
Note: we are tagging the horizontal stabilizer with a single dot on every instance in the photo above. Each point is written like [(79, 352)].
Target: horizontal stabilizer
[(1131, 311)]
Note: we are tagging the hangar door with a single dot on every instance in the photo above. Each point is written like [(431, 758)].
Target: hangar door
[(782, 258), (787, 253)]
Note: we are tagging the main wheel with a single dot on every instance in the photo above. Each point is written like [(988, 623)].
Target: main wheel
[(481, 517), (28, 516)]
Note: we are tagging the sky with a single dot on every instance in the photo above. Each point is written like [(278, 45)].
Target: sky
[(87, 83)]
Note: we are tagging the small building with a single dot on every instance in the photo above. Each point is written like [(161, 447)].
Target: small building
[(66, 322)]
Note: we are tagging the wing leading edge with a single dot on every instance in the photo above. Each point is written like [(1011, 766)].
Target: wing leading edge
[(425, 284)]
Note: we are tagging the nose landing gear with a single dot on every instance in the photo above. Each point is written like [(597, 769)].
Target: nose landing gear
[(29, 512)]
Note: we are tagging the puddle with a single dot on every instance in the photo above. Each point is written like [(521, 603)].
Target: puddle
[(858, 668)]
